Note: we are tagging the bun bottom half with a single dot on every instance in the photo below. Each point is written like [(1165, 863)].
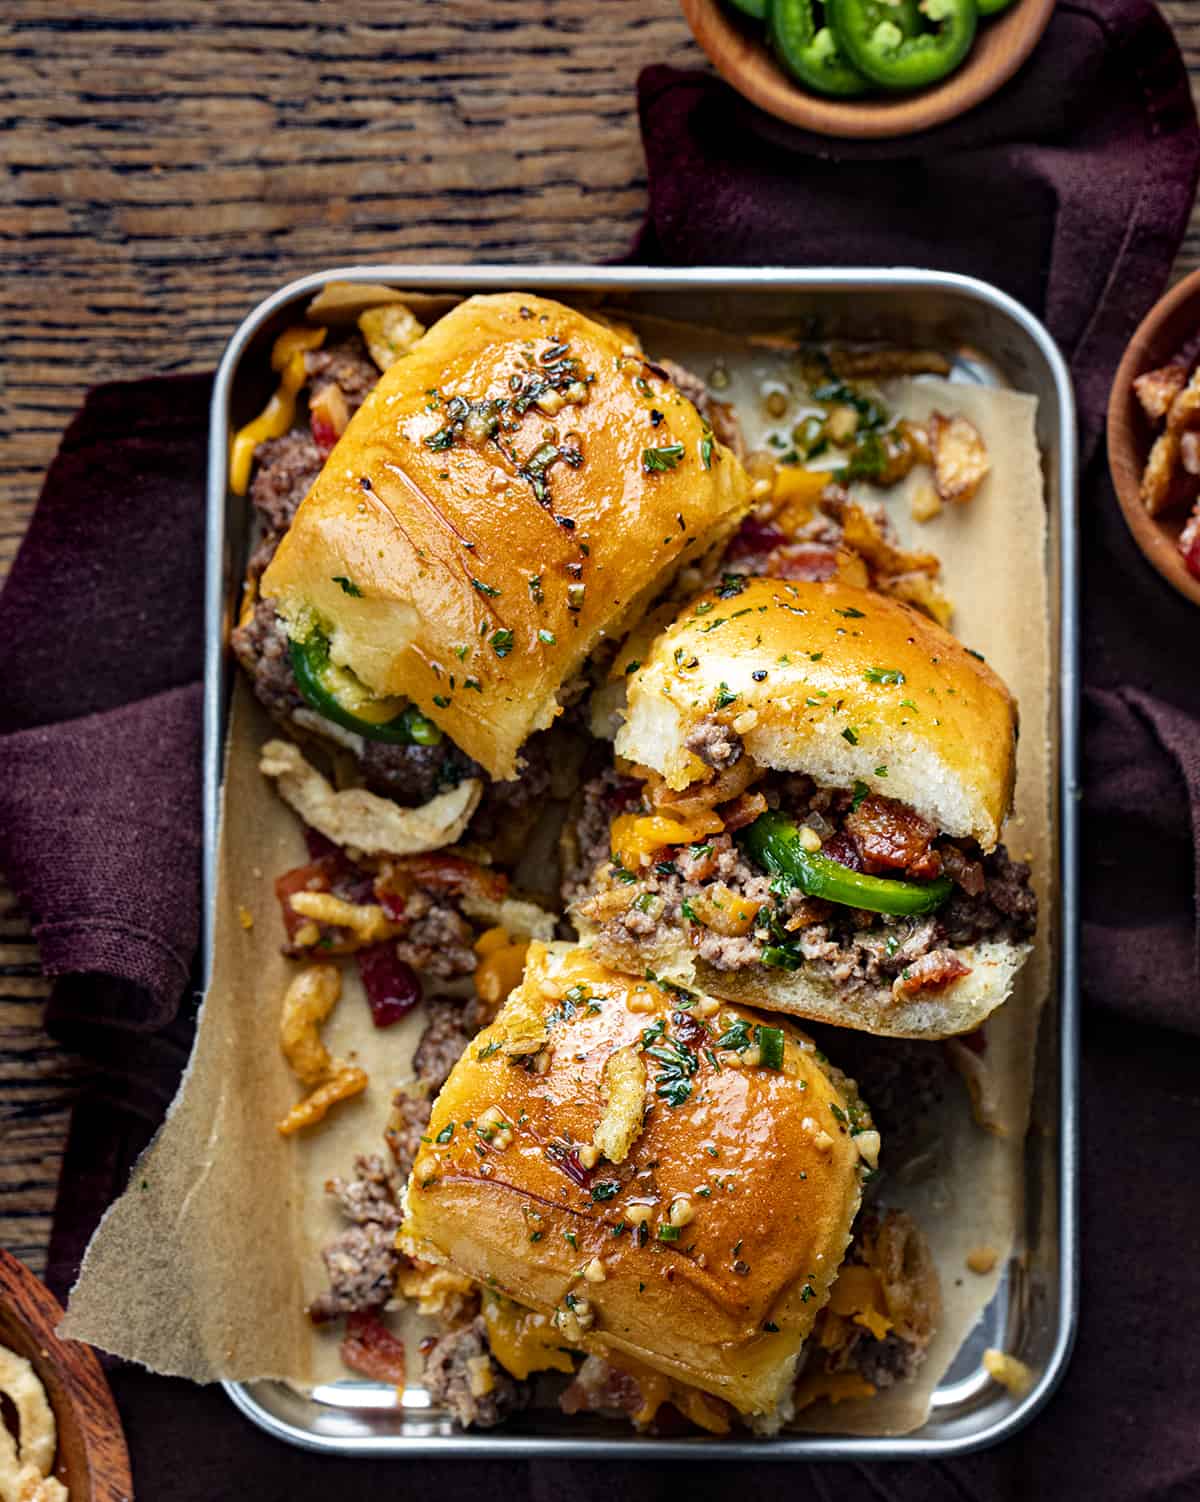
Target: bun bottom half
[(959, 1007)]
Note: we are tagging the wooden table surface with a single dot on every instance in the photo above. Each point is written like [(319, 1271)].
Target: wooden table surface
[(168, 165)]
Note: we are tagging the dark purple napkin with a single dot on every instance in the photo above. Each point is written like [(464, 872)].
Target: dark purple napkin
[(1071, 189)]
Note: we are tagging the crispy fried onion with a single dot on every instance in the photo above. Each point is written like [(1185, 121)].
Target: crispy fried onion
[(522, 920), (896, 1251), (25, 1463), (521, 1030), (960, 457), (360, 820), (307, 1003), (390, 332), (863, 533), (625, 1087), (979, 1075)]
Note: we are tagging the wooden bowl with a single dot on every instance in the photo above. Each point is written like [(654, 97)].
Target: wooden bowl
[(93, 1462), (739, 52), (1170, 322)]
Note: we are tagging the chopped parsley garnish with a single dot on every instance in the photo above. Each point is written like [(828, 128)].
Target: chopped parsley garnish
[(850, 613), (770, 1326), (502, 641), (655, 461), (535, 588), (706, 448), (669, 1233), (485, 589), (851, 735), (678, 1065), (735, 1036), (972, 653), (688, 911), (441, 701), (348, 586), (446, 1133), (860, 792), (839, 1114), (548, 637), (881, 771), (487, 1051), (606, 1189), (725, 697), (731, 585), (890, 676), (632, 666)]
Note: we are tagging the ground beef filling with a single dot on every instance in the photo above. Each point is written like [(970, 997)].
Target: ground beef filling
[(362, 1261), (462, 1376), (992, 897), (451, 1026)]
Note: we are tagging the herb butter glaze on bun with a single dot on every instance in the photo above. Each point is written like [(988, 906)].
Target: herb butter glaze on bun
[(707, 1248), (836, 682), (819, 778), (516, 488)]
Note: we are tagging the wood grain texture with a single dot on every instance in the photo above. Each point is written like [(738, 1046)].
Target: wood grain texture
[(167, 166)]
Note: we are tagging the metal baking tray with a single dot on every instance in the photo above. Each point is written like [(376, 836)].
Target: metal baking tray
[(1033, 1313)]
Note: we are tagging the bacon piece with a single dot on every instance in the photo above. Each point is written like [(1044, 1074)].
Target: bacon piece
[(891, 836), (1157, 389), (933, 970), (841, 847), (601, 1388), (437, 872), (810, 561), (963, 871), (391, 985), (754, 539), (742, 811), (371, 1349)]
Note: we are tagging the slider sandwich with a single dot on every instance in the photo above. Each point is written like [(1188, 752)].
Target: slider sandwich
[(669, 1180), (812, 782), (511, 494)]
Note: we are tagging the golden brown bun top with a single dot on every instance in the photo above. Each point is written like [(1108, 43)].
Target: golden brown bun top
[(764, 1158), (844, 684), (488, 567)]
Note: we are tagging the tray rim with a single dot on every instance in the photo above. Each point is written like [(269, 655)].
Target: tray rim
[(566, 277)]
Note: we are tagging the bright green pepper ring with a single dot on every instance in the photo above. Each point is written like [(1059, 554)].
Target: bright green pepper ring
[(992, 7), (879, 49), (773, 841), (310, 659), (809, 52)]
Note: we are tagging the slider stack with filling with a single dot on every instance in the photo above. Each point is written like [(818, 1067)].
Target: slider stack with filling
[(513, 491), (814, 781), (671, 1180)]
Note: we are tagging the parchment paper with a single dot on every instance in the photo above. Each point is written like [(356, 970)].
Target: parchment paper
[(205, 1265)]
